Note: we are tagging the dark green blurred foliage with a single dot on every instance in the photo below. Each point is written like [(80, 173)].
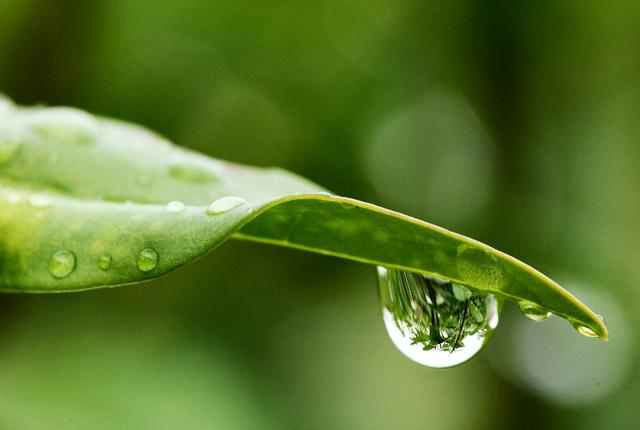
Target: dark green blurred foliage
[(516, 124)]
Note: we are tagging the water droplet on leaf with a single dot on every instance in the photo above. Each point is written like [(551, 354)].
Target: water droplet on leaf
[(584, 330), (175, 206), (533, 311), (148, 260), (62, 263), (104, 261), (460, 292), (225, 204), (434, 322)]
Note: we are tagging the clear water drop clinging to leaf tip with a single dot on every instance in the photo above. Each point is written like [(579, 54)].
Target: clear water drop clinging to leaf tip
[(434, 322)]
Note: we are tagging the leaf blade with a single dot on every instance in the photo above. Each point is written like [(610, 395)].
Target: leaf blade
[(411, 244), (109, 182)]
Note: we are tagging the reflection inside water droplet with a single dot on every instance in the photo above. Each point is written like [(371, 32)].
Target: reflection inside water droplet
[(147, 260), (62, 263), (533, 311), (434, 322)]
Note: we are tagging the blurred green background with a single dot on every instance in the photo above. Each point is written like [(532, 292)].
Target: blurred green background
[(515, 123)]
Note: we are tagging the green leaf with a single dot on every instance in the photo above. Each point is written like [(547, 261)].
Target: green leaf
[(100, 189), (460, 292)]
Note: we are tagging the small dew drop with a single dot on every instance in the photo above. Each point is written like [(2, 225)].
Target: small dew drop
[(40, 201), (9, 147), (434, 322), (225, 204), (147, 260), (62, 263), (175, 206), (104, 261), (584, 330), (533, 311)]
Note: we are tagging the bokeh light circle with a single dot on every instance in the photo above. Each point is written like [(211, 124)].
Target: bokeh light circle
[(432, 159)]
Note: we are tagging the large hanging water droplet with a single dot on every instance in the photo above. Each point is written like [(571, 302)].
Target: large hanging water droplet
[(148, 260), (225, 204), (433, 322), (533, 311), (62, 263)]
